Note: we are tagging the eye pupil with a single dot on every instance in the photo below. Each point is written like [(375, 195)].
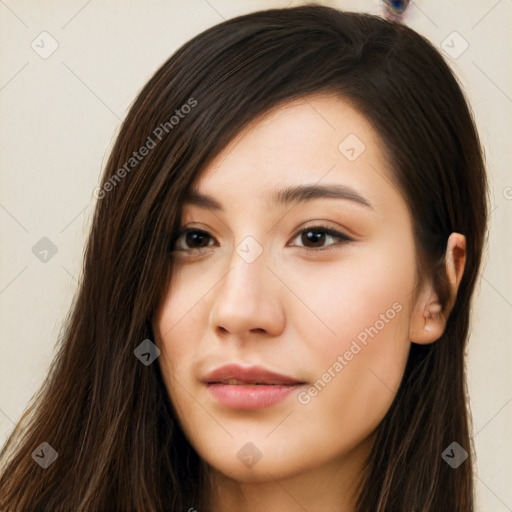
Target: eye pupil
[(193, 236), (317, 235)]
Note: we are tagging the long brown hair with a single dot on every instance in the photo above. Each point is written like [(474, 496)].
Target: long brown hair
[(106, 414)]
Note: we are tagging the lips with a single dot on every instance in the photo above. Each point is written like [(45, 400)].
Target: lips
[(234, 374)]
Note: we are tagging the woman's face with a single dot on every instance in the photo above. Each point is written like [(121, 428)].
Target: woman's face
[(261, 287)]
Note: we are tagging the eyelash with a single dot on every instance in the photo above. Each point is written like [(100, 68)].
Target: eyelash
[(317, 228)]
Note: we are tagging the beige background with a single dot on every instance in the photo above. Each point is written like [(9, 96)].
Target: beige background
[(60, 114)]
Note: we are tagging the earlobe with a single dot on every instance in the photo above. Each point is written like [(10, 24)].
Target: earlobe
[(428, 312), (429, 316), (427, 323)]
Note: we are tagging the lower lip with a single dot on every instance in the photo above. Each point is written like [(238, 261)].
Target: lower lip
[(250, 397)]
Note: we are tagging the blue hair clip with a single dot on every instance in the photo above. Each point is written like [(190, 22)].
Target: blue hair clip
[(396, 7)]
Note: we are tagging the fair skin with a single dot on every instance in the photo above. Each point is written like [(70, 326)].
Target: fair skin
[(295, 311)]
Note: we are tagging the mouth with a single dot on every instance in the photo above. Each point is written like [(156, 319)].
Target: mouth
[(236, 375), (236, 382), (236, 387)]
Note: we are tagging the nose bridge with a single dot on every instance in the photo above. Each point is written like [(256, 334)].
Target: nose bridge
[(248, 275), (251, 248), (247, 299)]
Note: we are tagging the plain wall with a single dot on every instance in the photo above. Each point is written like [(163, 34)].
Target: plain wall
[(60, 114)]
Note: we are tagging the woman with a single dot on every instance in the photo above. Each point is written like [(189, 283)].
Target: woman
[(277, 285)]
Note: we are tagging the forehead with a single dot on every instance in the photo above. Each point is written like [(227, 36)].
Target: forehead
[(314, 147)]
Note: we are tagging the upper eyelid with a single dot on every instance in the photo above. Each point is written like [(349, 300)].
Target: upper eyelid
[(319, 225)]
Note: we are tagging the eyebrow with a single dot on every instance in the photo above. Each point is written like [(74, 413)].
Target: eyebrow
[(289, 195)]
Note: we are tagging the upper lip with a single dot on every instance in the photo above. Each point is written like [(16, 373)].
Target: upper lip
[(248, 375)]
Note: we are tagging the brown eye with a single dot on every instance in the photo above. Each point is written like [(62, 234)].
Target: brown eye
[(314, 237), (193, 239)]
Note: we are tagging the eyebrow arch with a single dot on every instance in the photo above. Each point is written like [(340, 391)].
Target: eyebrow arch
[(288, 195)]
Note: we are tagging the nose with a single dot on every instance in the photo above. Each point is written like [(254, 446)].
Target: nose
[(248, 299)]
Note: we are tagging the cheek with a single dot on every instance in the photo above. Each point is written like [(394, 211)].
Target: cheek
[(358, 361), (176, 339), (363, 294)]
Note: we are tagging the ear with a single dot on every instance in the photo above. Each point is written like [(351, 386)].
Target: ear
[(429, 316)]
